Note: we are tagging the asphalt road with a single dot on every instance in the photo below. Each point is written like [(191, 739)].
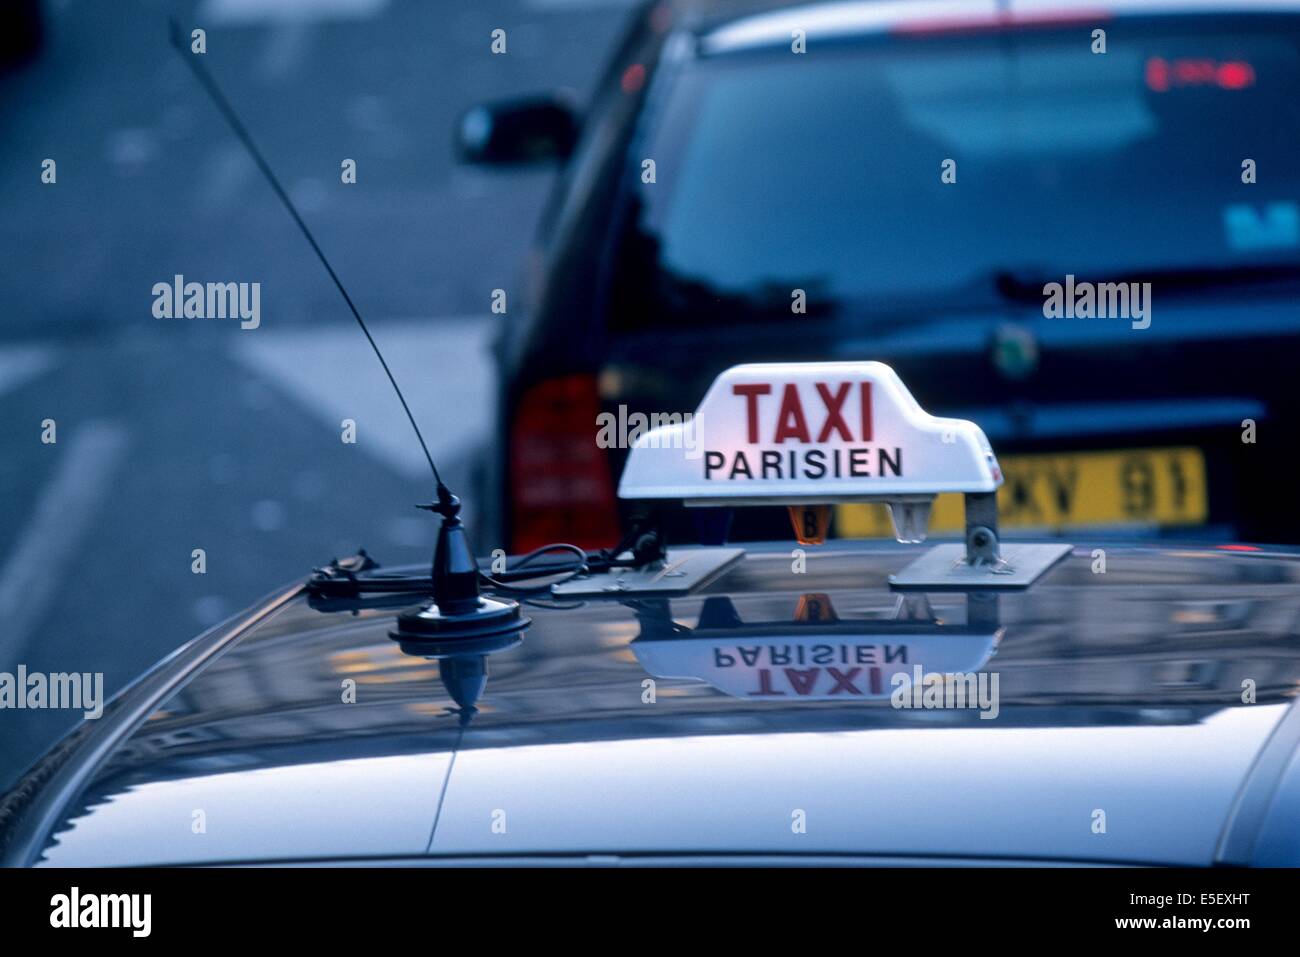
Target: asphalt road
[(176, 435)]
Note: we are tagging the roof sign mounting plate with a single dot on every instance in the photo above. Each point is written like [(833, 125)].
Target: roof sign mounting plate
[(682, 571)]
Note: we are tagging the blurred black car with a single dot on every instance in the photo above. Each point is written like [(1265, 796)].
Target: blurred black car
[(779, 174)]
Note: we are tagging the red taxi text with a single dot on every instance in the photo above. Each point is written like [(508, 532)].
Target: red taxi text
[(829, 417)]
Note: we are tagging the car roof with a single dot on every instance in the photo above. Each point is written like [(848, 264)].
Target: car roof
[(739, 31), (1120, 689)]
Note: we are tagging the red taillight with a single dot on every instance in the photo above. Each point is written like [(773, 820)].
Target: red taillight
[(560, 484), (633, 78)]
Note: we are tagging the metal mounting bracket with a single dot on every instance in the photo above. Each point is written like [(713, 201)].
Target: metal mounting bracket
[(682, 571), (983, 561)]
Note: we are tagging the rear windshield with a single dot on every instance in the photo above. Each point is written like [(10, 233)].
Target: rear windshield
[(824, 171)]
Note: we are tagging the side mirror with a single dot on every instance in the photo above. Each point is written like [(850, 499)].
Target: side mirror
[(517, 131)]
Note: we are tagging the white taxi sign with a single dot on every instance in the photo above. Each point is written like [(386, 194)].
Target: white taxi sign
[(825, 432)]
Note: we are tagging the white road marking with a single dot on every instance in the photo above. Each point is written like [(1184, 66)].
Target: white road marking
[(46, 552), (442, 365), (130, 149), (244, 12), (286, 45), (224, 173), (21, 364)]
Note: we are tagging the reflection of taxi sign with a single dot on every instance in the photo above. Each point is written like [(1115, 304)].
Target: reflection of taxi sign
[(816, 432), (807, 435), (846, 666)]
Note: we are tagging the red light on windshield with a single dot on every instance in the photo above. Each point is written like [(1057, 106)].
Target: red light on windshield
[(1236, 75), (1163, 75), (1239, 548)]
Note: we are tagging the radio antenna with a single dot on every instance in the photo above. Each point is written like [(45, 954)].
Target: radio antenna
[(209, 84), (457, 610)]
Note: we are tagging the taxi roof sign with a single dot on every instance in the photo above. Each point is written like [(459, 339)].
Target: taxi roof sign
[(792, 433), (805, 434)]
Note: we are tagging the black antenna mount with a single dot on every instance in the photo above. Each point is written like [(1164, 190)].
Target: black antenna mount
[(457, 611)]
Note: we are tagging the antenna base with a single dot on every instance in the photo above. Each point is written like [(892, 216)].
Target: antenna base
[(457, 611), (430, 625)]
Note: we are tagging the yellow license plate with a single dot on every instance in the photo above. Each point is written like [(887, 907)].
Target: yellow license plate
[(1056, 493)]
